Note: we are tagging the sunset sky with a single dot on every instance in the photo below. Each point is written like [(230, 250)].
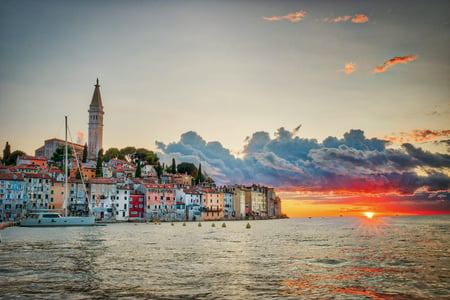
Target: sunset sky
[(342, 106)]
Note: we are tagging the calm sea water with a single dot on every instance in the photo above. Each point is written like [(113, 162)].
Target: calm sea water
[(318, 258)]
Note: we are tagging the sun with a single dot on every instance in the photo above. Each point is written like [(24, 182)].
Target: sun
[(369, 214)]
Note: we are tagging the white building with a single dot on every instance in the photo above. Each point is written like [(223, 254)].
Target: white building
[(192, 200), (121, 203)]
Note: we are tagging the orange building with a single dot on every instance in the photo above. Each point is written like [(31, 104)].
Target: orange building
[(213, 205), (37, 161)]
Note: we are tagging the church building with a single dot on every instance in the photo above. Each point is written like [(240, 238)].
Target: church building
[(95, 137)]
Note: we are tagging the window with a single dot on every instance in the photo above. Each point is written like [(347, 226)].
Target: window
[(52, 192)]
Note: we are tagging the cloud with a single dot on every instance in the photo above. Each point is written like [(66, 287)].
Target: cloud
[(392, 62), (417, 136), (293, 17), (80, 137), (356, 19), (352, 164), (360, 19), (349, 68)]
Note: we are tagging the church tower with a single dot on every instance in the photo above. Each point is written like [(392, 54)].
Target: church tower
[(95, 139)]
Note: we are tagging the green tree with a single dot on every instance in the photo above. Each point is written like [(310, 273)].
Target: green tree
[(99, 166), (58, 155), (6, 152), (173, 169), (78, 174), (12, 158), (127, 153), (146, 156), (159, 169), (187, 168), (200, 177), (138, 170), (111, 153), (85, 153)]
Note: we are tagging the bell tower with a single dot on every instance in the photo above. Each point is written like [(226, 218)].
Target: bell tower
[(95, 139)]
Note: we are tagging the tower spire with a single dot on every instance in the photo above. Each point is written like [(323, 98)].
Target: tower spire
[(95, 123)]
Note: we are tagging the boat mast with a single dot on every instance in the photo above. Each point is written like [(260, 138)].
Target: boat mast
[(66, 169)]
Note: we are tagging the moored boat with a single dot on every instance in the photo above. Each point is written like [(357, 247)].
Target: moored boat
[(51, 219)]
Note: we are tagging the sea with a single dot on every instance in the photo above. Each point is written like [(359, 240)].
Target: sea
[(298, 258)]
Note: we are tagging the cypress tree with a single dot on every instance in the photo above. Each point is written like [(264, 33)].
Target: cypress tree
[(199, 175), (138, 170), (174, 166), (99, 167), (6, 152), (159, 170), (85, 153)]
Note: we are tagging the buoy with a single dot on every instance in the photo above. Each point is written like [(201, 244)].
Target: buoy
[(213, 225), (199, 224), (248, 226), (224, 225), (184, 223)]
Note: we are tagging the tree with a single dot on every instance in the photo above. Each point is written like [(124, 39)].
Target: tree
[(144, 155), (6, 152), (200, 177), (127, 153), (85, 153), (187, 168), (99, 167), (111, 153), (173, 169), (58, 155), (159, 169), (12, 158), (78, 174), (138, 170)]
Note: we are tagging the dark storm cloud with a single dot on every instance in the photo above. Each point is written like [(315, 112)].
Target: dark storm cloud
[(353, 163)]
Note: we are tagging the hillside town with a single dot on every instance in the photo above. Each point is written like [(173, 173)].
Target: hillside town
[(33, 183), (125, 185)]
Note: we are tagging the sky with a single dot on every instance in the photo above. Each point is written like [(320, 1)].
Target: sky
[(342, 106)]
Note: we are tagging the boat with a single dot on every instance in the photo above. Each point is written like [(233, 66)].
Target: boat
[(51, 218), (54, 219)]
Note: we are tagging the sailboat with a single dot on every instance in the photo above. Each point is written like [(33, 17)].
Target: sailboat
[(50, 218)]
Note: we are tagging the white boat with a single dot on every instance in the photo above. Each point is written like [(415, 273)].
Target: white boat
[(50, 218)]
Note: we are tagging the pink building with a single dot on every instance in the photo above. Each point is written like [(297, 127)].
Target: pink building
[(160, 201)]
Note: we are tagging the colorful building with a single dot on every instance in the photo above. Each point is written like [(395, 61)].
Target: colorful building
[(137, 206), (12, 196)]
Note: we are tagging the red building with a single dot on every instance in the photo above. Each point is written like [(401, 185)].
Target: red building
[(137, 206)]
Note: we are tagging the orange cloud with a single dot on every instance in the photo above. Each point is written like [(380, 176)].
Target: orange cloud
[(356, 19), (80, 137), (338, 19), (417, 136), (293, 17), (360, 19), (349, 68), (394, 61)]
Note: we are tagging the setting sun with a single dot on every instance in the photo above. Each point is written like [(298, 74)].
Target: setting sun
[(369, 214)]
